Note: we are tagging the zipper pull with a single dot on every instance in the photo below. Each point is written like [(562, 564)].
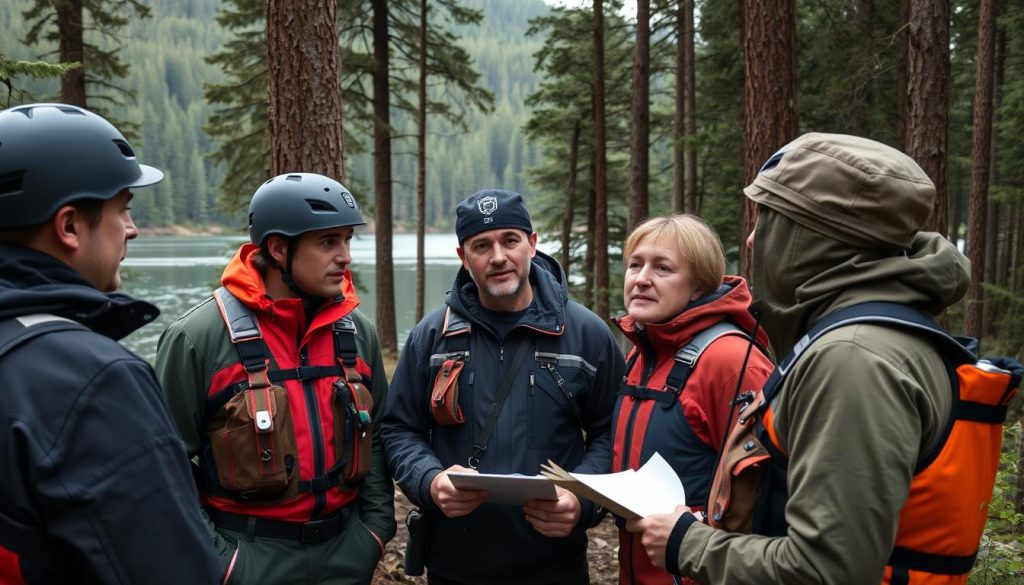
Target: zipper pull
[(532, 380), (501, 353)]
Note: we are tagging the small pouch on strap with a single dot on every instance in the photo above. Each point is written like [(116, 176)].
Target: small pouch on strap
[(253, 443), (353, 427), (444, 398), (737, 480)]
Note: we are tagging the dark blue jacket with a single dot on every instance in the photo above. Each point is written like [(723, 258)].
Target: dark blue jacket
[(495, 544), (95, 486)]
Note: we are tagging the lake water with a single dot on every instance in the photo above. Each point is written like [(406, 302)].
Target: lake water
[(175, 273)]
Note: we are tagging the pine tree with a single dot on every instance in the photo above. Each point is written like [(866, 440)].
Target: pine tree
[(94, 84)]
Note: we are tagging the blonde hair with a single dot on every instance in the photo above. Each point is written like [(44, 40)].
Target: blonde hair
[(697, 241)]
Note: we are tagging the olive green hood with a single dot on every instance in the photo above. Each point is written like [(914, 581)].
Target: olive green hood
[(800, 275)]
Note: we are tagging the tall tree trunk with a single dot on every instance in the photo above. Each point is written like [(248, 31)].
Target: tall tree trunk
[(927, 138), (684, 150), (769, 66), (421, 166), (903, 75), (382, 181), (303, 71), (600, 171), (981, 168), (640, 134), (570, 196), (71, 49), (588, 295), (678, 117), (863, 106)]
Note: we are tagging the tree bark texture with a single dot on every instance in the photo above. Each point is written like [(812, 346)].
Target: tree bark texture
[(903, 75), (770, 117), (928, 83), (684, 151), (386, 327), (600, 171), (864, 98), (71, 49), (570, 196), (303, 70), (981, 168), (421, 166), (588, 258), (640, 128), (678, 121)]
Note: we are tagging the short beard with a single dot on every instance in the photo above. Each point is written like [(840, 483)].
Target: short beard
[(508, 290)]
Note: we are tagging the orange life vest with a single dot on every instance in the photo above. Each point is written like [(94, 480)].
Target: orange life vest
[(954, 480)]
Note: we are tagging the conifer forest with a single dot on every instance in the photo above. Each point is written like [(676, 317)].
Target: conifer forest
[(600, 114)]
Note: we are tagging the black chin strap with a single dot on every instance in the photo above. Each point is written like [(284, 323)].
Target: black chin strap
[(309, 301)]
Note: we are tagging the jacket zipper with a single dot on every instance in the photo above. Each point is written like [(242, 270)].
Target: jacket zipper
[(316, 434)]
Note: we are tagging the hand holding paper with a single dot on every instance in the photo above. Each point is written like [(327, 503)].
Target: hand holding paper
[(455, 502), (653, 489)]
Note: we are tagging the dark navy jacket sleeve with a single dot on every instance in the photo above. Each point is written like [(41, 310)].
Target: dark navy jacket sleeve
[(407, 419), (599, 401), (116, 487)]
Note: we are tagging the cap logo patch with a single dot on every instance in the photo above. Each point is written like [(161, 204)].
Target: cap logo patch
[(487, 205), (348, 199)]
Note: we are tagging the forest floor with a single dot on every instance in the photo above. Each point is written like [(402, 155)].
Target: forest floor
[(602, 552)]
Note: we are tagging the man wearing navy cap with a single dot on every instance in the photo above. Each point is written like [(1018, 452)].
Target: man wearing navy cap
[(507, 374)]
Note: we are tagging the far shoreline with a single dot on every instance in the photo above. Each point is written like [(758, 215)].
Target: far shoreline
[(179, 230)]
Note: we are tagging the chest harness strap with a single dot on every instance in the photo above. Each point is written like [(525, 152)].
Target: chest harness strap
[(684, 362), (353, 438)]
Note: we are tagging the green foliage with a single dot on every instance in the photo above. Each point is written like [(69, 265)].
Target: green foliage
[(9, 70), (239, 120), (1001, 554), (103, 21), (562, 100)]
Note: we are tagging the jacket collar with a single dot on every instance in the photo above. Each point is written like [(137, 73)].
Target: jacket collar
[(731, 301), (545, 314), (243, 279), (35, 282)]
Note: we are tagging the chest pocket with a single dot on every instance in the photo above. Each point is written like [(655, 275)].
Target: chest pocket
[(557, 384)]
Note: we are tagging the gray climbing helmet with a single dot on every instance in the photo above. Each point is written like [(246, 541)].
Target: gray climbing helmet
[(53, 154), (296, 203)]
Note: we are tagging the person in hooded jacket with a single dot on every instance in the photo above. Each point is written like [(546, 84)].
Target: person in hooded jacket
[(313, 503), (508, 374), (866, 404), (674, 289), (95, 484)]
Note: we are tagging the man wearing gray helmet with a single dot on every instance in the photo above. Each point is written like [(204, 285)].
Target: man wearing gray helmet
[(276, 382), (95, 485)]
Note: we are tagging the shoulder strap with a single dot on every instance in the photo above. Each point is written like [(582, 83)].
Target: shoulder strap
[(687, 356), (344, 333), (879, 313), (18, 330), (455, 336), (244, 332)]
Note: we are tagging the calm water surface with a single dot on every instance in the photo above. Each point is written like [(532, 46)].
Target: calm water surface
[(175, 273)]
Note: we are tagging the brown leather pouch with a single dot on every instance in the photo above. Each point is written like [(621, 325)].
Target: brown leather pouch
[(444, 398), (353, 427), (734, 489), (253, 442)]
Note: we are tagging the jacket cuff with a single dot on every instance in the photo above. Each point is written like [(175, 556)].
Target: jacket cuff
[(675, 540), (426, 501)]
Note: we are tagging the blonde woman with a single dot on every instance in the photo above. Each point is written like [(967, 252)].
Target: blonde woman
[(677, 296)]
